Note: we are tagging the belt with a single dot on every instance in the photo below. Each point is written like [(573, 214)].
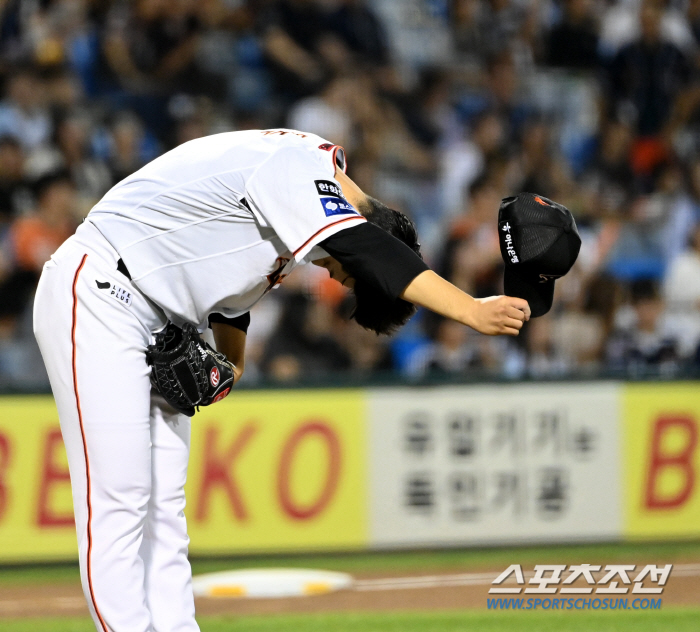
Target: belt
[(121, 266)]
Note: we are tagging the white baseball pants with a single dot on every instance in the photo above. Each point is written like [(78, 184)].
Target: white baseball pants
[(127, 452)]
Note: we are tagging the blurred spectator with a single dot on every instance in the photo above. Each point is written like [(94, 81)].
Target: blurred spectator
[(369, 354), (580, 330), (472, 255), (609, 176), (448, 353), (464, 161), (328, 114), (152, 44), (682, 290), (128, 151), (544, 357), (466, 27), (455, 350), (23, 114), (303, 345), (37, 236), (646, 76), (148, 53), (693, 15), (621, 25), (292, 32), (653, 232), (647, 341), (33, 239), (427, 109), (385, 138), (505, 94), (503, 21), (71, 151), (573, 43), (543, 169), (91, 176), (356, 24), (14, 193)]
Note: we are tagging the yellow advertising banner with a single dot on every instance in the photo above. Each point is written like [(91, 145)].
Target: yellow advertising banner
[(36, 509), (661, 460), (279, 470), (269, 471)]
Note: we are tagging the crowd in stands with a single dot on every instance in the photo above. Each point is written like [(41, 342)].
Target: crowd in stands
[(443, 106)]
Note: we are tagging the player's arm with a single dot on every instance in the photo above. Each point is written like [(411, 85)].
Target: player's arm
[(493, 316), (373, 255), (230, 336)]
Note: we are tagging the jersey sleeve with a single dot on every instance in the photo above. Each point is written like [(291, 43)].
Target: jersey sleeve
[(375, 256), (241, 322), (294, 193)]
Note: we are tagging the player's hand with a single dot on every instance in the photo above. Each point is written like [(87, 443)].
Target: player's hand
[(497, 315)]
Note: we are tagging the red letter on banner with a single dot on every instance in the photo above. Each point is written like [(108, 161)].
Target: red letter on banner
[(681, 460), (218, 471), (4, 465), (290, 506), (52, 475)]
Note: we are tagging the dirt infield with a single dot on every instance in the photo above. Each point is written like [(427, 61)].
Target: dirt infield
[(376, 593)]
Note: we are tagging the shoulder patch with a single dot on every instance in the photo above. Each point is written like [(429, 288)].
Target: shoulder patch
[(332, 199), (337, 206), (326, 187)]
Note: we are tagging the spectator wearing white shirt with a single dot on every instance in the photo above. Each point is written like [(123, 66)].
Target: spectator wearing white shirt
[(682, 290), (22, 112)]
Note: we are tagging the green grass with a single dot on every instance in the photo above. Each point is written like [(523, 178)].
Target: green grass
[(407, 561), (678, 620)]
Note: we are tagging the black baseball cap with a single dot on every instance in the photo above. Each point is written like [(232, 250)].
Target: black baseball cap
[(539, 243)]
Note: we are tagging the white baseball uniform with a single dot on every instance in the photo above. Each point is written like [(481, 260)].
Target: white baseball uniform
[(208, 227)]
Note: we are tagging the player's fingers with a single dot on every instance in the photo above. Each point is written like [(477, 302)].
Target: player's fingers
[(518, 314), (511, 331), (513, 323), (521, 304)]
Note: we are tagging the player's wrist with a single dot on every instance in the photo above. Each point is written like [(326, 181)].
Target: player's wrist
[(470, 312)]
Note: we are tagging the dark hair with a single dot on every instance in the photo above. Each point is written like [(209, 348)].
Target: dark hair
[(9, 141), (642, 290), (373, 309), (46, 181)]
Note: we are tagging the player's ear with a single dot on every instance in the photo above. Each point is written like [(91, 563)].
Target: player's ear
[(322, 263)]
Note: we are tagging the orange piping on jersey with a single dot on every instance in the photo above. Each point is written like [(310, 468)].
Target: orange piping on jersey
[(318, 232), (85, 452)]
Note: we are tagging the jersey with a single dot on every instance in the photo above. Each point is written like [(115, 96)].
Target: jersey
[(212, 225)]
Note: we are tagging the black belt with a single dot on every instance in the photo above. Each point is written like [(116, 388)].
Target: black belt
[(121, 266)]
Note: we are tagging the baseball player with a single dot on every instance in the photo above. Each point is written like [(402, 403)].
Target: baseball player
[(191, 240)]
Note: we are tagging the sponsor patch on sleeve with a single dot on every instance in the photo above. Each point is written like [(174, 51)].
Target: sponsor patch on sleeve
[(326, 187), (332, 199), (337, 206)]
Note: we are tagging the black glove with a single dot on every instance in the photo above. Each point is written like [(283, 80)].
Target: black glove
[(187, 371)]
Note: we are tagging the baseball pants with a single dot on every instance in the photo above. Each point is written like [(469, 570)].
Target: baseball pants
[(127, 451)]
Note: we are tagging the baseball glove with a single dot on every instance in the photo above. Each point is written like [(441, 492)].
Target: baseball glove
[(187, 371)]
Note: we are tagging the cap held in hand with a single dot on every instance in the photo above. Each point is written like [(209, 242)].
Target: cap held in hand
[(539, 243)]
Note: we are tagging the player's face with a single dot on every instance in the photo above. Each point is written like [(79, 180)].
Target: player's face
[(336, 270)]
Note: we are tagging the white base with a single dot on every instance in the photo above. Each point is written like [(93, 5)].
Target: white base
[(269, 583)]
